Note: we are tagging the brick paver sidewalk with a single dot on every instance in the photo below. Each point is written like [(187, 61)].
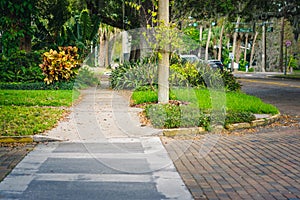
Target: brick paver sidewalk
[(256, 166), (11, 155)]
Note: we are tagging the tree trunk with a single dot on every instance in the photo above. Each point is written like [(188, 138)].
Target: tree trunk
[(234, 42), (163, 63), (200, 40), (220, 43), (107, 53), (207, 43), (281, 45), (238, 51), (102, 50), (253, 49), (246, 45), (135, 53), (25, 43)]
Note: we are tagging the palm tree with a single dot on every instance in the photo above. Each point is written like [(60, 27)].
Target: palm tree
[(106, 33)]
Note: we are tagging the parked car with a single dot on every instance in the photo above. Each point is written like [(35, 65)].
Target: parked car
[(216, 64), (189, 58)]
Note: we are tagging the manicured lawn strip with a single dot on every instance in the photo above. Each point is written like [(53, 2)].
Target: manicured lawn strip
[(38, 97), (201, 103), (21, 112), (20, 120), (235, 101), (294, 75), (140, 97)]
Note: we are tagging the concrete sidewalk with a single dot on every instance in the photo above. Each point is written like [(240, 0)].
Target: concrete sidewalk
[(105, 154)]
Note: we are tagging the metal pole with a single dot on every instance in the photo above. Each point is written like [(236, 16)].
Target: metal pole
[(285, 66), (263, 55)]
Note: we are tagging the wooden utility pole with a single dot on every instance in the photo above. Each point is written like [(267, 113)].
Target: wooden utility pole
[(163, 62)]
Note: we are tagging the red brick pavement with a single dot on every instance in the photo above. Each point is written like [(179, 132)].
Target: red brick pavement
[(11, 154), (256, 166)]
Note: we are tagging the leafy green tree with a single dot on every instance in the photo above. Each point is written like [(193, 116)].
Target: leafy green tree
[(15, 24), (49, 22)]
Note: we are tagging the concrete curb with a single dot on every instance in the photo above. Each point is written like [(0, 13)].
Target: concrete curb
[(261, 120), (28, 139), (255, 123), (165, 132), (182, 131)]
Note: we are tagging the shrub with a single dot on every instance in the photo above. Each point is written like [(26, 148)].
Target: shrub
[(164, 115), (238, 117), (132, 75), (201, 75), (174, 116), (60, 66), (21, 66), (185, 75), (230, 81), (86, 78), (182, 74)]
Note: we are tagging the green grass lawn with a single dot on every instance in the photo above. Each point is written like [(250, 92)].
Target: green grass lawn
[(200, 103), (38, 97), (28, 112), (235, 101), (294, 75)]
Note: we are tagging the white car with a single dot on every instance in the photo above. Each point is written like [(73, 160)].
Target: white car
[(189, 58)]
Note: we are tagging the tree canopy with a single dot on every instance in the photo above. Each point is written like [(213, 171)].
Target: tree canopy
[(49, 21)]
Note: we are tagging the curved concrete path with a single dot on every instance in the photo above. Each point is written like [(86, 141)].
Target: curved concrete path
[(105, 154)]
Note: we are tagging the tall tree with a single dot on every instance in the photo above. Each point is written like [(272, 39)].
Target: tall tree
[(15, 24), (52, 16), (163, 65)]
